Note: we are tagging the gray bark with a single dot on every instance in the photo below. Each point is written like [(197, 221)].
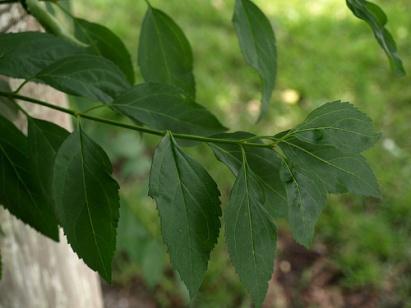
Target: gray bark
[(38, 272)]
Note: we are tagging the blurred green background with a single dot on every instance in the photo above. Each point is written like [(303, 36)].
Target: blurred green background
[(361, 256)]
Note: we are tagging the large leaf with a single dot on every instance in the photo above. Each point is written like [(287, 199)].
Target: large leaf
[(166, 107), (306, 196), (44, 140), (250, 234), (18, 191), (23, 55), (257, 42), (188, 202), (266, 168), (92, 77), (86, 200), (105, 43), (164, 54), (340, 172), (340, 125), (375, 17)]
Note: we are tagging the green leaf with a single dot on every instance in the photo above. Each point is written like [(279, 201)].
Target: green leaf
[(92, 77), (338, 124), (8, 107), (257, 42), (306, 196), (164, 54), (250, 234), (340, 172), (44, 140), (18, 192), (265, 165), (46, 16), (166, 107), (188, 202), (23, 55), (105, 43), (87, 201), (375, 17)]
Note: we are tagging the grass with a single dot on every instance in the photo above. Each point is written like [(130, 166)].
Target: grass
[(324, 54)]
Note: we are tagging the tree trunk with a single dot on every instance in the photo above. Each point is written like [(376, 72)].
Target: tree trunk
[(38, 272)]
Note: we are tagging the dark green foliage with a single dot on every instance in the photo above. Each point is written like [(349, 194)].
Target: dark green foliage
[(375, 17), (287, 175), (338, 124), (188, 202), (23, 55), (166, 107), (250, 234), (86, 200), (8, 107), (104, 42), (266, 168), (89, 76), (44, 140), (18, 192), (164, 53), (257, 42), (306, 198)]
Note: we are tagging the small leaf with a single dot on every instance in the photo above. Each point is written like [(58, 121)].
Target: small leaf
[(164, 54), (250, 234), (44, 139), (87, 201), (265, 165), (23, 55), (340, 125), (257, 42), (188, 202), (340, 172), (18, 192), (166, 107), (375, 17), (105, 43), (92, 77), (306, 196)]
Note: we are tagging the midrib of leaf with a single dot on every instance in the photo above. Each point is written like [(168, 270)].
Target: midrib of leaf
[(245, 166), (327, 162), (329, 127), (87, 202), (185, 204), (261, 179), (300, 201), (160, 42), (90, 39), (162, 114)]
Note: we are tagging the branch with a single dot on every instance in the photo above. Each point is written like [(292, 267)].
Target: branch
[(143, 129)]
